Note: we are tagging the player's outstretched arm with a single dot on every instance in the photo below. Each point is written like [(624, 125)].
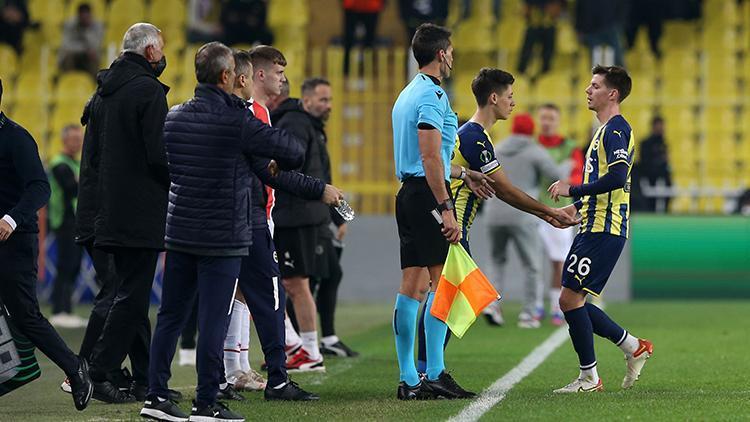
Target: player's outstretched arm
[(506, 191), (477, 182), (615, 179)]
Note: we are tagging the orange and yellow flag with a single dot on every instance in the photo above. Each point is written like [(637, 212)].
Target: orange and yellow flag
[(462, 293)]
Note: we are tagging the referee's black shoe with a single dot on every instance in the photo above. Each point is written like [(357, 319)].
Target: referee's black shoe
[(446, 387), (81, 386), (421, 391), (289, 392)]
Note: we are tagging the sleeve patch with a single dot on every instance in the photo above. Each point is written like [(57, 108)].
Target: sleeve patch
[(492, 165)]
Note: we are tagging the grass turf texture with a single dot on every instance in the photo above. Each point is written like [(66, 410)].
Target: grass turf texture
[(699, 372)]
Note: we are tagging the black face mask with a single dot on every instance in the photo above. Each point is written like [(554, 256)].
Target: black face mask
[(159, 66)]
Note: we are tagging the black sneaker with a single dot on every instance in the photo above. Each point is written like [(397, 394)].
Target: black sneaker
[(446, 387), (80, 385), (109, 393), (229, 393), (216, 412), (420, 391), (122, 379), (289, 392), (140, 391), (165, 410), (338, 349)]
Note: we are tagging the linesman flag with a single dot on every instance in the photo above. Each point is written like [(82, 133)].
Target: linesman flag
[(462, 293)]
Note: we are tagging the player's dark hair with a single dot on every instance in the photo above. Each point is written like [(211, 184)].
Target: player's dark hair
[(428, 40), (551, 106), (264, 56), (242, 62), (615, 77), (490, 80), (309, 85)]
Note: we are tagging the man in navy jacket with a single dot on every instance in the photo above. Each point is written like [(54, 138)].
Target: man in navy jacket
[(23, 190), (208, 231)]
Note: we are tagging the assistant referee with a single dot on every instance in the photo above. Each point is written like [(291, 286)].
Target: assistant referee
[(424, 133)]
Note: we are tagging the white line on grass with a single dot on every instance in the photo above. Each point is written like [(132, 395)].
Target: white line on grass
[(497, 391)]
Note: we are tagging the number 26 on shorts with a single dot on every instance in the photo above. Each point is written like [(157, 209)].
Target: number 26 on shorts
[(584, 265)]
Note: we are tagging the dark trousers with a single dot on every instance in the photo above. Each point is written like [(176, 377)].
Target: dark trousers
[(127, 319), (187, 338), (351, 21), (260, 283), (545, 36), (326, 294), (18, 278), (108, 285), (214, 280), (68, 266)]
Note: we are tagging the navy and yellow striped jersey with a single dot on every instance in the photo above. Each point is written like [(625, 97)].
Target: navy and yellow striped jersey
[(473, 150), (608, 212)]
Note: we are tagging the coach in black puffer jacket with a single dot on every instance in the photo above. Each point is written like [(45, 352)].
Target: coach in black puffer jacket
[(210, 200)]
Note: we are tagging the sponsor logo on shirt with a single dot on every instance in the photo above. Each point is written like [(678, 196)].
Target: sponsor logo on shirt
[(621, 154)]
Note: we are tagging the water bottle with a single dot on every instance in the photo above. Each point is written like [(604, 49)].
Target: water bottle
[(345, 210)]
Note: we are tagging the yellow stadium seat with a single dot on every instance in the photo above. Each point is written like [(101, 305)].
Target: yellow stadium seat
[(720, 13), (473, 35), (10, 61), (643, 92), (510, 33), (72, 87), (679, 62), (720, 118), (555, 88), (680, 120), (34, 117), (169, 16), (679, 34), (566, 38), (679, 90), (39, 60), (121, 15), (47, 12), (30, 88), (289, 12), (63, 115)]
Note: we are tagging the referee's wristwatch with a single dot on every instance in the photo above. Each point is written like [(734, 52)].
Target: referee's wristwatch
[(446, 205)]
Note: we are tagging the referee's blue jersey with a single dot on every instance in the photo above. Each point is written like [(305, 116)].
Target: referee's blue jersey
[(422, 101)]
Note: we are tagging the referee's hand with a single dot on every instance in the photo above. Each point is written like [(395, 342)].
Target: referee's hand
[(451, 230), (5, 230)]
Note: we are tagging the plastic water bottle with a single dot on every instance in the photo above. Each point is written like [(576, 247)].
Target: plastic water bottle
[(345, 210)]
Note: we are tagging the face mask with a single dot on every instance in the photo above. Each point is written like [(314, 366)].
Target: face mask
[(159, 66)]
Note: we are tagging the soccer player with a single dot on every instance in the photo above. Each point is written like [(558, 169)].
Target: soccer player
[(556, 241), (493, 91), (604, 206)]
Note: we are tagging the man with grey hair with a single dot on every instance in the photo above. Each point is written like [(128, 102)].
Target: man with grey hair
[(210, 140), (122, 206)]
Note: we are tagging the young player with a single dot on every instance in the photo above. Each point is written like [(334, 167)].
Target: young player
[(493, 91), (604, 206)]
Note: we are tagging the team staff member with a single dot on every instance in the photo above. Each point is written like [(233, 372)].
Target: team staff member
[(424, 133), (24, 189), (122, 201), (208, 225)]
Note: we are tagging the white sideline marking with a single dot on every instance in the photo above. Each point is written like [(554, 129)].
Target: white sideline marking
[(497, 391)]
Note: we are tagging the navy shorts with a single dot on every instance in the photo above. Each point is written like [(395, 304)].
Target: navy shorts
[(590, 261)]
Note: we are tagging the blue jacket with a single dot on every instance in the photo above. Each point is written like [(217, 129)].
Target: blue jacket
[(210, 140)]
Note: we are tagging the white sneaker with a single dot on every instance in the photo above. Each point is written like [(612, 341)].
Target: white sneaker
[(636, 361), (187, 357), (527, 321), (67, 321), (581, 385), (250, 381), (65, 386), (494, 314)]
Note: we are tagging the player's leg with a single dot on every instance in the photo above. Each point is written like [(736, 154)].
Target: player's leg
[(298, 290), (526, 238), (232, 367), (572, 304), (499, 238)]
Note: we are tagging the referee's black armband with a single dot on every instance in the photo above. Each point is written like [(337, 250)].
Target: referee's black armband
[(425, 126)]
